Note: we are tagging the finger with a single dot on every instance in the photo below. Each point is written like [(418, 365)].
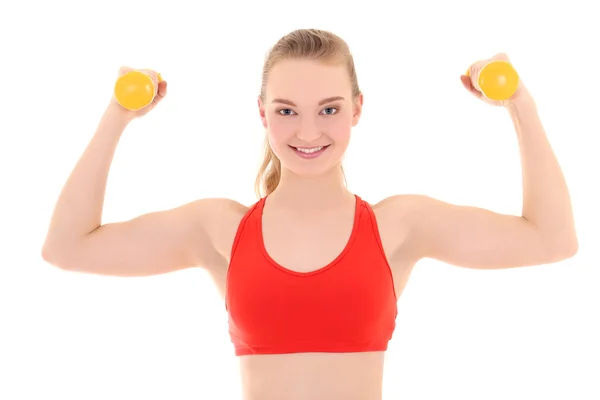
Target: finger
[(474, 67), (151, 73), (154, 76), (124, 69), (501, 57), (162, 90), (466, 81), (473, 73)]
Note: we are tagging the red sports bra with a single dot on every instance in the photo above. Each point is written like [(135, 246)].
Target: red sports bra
[(347, 306)]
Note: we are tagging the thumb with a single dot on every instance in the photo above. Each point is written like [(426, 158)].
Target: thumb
[(161, 90), (468, 84), (466, 81)]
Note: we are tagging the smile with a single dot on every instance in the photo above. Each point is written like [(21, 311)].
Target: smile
[(310, 152)]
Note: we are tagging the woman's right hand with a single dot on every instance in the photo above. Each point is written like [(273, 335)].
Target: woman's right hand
[(160, 91)]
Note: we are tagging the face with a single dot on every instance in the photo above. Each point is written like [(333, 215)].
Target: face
[(308, 114)]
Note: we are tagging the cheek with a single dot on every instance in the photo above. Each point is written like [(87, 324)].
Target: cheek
[(281, 130), (338, 129)]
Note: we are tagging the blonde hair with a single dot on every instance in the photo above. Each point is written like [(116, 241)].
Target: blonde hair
[(313, 44)]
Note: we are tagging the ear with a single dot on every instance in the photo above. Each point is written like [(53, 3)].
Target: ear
[(358, 104), (262, 112)]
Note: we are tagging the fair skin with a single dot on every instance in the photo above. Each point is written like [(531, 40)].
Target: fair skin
[(312, 206)]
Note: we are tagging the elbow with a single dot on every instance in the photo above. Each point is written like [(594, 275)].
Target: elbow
[(570, 244), (48, 251), (564, 247), (54, 256), (49, 255), (571, 248)]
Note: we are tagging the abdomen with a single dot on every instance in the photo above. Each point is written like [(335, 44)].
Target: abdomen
[(314, 376)]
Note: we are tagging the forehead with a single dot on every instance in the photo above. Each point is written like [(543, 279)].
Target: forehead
[(307, 81)]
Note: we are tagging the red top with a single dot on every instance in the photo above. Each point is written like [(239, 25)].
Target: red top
[(346, 306)]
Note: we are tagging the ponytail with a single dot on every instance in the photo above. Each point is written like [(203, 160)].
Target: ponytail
[(269, 173)]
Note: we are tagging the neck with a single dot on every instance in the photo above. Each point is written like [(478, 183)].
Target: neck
[(327, 190)]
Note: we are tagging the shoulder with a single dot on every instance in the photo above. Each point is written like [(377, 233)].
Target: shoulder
[(403, 208), (219, 219), (397, 219), (212, 211)]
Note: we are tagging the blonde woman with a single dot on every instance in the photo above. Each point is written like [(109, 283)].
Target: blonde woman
[(311, 273)]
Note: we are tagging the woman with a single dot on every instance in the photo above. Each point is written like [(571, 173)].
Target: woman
[(311, 273)]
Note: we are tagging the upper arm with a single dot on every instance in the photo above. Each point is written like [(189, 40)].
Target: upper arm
[(473, 237), (153, 243)]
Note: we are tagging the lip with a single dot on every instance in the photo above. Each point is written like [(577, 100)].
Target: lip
[(310, 155)]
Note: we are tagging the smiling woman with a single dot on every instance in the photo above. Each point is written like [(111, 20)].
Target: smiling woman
[(311, 273), (310, 152)]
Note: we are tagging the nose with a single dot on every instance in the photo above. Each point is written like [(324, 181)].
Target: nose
[(308, 131)]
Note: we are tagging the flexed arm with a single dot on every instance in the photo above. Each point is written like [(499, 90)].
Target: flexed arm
[(477, 238)]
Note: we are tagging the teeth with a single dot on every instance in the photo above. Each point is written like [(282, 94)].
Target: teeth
[(309, 151)]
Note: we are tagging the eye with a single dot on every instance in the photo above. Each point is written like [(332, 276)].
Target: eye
[(330, 110), (286, 111)]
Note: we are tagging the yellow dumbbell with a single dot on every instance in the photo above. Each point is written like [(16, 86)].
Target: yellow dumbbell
[(498, 80), (134, 90)]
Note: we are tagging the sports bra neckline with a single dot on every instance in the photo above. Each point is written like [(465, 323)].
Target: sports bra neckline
[(337, 259)]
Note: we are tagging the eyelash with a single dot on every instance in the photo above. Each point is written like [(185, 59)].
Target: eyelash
[(288, 109)]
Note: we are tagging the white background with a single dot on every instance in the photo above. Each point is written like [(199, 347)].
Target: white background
[(529, 333)]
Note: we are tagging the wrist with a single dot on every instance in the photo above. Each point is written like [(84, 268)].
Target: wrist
[(116, 115), (523, 102), (114, 120), (524, 114)]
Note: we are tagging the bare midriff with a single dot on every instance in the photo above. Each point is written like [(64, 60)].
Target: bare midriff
[(314, 376)]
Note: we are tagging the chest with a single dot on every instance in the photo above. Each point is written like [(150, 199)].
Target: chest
[(306, 244), (348, 301)]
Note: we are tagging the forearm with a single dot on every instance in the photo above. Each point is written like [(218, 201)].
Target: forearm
[(78, 210), (546, 200)]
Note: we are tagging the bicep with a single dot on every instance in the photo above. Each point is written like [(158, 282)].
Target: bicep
[(473, 237), (151, 244)]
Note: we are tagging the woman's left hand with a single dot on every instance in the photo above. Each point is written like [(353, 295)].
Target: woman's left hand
[(470, 82)]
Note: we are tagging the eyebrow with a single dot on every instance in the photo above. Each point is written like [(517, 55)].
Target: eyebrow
[(322, 102)]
